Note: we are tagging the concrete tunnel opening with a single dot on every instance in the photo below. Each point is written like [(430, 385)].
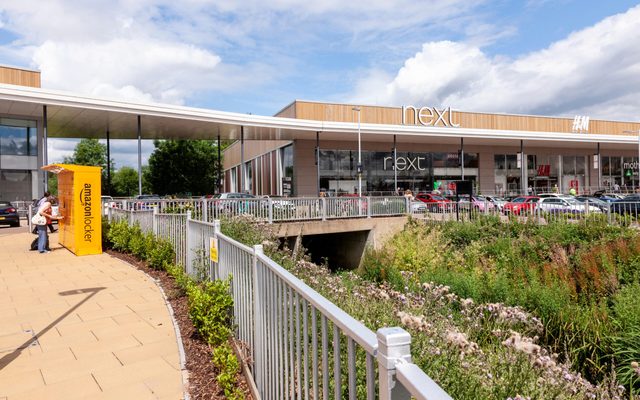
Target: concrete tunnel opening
[(340, 251)]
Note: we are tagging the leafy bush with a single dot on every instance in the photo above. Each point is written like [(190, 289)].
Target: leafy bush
[(161, 254), (228, 368), (119, 234), (210, 307)]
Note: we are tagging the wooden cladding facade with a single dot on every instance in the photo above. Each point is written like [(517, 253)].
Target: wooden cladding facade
[(393, 116), (17, 76)]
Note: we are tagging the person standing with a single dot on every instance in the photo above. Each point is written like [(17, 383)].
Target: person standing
[(40, 203), (46, 211)]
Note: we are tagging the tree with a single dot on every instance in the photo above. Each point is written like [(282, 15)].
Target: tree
[(183, 166), (93, 153), (89, 152), (125, 182)]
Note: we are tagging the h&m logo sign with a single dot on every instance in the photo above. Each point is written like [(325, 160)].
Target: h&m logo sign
[(428, 116)]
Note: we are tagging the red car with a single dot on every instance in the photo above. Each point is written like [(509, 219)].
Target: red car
[(435, 202), (520, 205)]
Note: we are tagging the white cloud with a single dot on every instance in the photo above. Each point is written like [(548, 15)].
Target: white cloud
[(593, 71), (135, 69)]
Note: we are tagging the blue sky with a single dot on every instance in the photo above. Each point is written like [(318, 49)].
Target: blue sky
[(538, 56)]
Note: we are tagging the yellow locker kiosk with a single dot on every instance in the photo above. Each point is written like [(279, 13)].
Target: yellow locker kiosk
[(80, 203)]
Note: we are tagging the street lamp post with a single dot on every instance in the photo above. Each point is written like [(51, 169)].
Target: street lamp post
[(357, 109)]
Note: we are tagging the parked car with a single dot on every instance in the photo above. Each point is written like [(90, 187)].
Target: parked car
[(565, 205), (226, 202), (9, 214), (479, 203), (418, 207), (107, 201), (279, 203), (434, 202), (628, 205), (521, 205), (498, 202), (608, 197), (146, 201), (594, 201)]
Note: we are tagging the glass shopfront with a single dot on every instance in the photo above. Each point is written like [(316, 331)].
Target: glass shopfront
[(418, 172), (620, 173)]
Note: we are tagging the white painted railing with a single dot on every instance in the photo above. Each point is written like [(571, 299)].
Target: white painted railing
[(301, 344)]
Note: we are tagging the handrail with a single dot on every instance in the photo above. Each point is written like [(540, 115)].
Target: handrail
[(417, 383), (356, 329)]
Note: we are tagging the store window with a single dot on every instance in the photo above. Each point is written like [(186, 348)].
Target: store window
[(18, 137), (286, 156), (417, 171)]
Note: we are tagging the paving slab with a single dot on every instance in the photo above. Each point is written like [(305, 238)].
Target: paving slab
[(82, 327)]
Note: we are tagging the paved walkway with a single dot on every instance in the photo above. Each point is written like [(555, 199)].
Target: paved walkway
[(82, 327)]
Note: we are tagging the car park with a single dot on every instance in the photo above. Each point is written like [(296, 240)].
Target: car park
[(565, 205), (9, 214), (521, 205)]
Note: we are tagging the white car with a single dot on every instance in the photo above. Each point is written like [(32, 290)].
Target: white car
[(564, 205)]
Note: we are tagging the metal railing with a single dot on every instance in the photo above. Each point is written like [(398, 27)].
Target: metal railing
[(173, 228), (300, 344)]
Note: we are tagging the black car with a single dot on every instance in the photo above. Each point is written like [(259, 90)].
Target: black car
[(628, 205), (8, 214)]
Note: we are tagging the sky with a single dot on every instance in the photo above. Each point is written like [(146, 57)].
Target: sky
[(556, 58)]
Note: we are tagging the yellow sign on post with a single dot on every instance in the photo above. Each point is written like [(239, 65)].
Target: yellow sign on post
[(213, 249), (79, 196)]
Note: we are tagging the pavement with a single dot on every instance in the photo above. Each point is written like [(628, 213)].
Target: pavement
[(81, 327)]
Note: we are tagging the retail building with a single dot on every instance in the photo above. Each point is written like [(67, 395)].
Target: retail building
[(421, 148)]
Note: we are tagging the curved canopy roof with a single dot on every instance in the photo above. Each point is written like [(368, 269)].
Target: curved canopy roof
[(78, 116)]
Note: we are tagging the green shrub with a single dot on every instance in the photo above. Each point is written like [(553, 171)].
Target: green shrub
[(228, 368), (161, 255), (210, 307), (119, 234), (137, 242)]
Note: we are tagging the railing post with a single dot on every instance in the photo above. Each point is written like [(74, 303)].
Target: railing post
[(214, 268), (323, 204), (394, 345), (154, 222), (258, 351), (270, 206), (205, 212), (368, 206), (124, 204), (188, 237)]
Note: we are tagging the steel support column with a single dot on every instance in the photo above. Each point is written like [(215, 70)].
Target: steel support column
[(599, 167), (45, 154), (139, 155), (108, 164), (318, 161), (462, 157), (395, 171), (242, 171), (219, 172), (523, 169)]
